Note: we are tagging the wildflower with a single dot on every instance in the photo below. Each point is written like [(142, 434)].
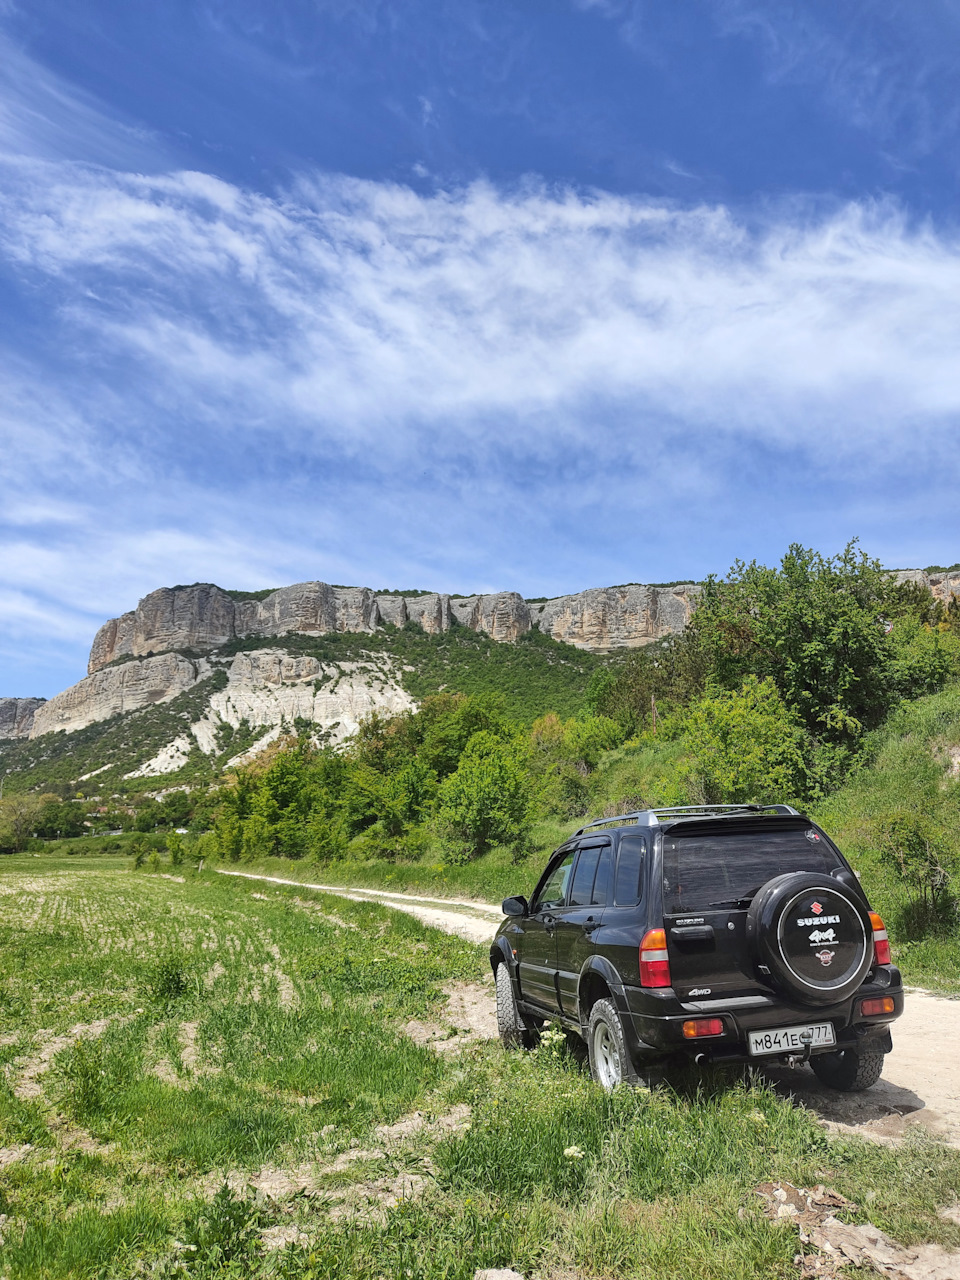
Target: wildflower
[(756, 1116), (574, 1153)]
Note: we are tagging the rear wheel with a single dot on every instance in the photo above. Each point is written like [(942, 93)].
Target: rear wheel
[(515, 1033), (848, 1070), (610, 1063)]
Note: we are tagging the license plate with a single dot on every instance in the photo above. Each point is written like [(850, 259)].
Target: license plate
[(787, 1039)]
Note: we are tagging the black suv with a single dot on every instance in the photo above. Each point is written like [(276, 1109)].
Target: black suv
[(734, 933)]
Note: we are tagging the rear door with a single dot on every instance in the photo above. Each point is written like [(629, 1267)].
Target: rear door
[(578, 922), (711, 872), (537, 940), (619, 938)]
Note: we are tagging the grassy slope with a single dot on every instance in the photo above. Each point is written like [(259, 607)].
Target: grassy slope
[(908, 767), (532, 676), (121, 743), (295, 1025)]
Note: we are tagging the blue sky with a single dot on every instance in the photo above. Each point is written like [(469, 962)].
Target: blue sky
[(466, 296)]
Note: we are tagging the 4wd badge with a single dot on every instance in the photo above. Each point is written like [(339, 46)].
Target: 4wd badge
[(825, 957)]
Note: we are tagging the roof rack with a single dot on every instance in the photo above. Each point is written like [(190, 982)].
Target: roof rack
[(649, 817)]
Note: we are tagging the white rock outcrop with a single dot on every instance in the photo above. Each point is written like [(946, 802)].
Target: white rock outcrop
[(267, 688), (167, 760)]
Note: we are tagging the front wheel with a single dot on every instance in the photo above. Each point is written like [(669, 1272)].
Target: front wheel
[(610, 1063), (847, 1070), (515, 1033)]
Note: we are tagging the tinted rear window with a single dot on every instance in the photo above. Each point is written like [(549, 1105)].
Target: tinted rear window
[(703, 871), (630, 869), (583, 877)]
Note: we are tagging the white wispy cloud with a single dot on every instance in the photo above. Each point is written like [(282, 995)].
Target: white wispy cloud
[(44, 116), (888, 68), (364, 311), (467, 389)]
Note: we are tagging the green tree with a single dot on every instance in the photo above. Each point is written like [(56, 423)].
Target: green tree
[(487, 800), (564, 755), (148, 816), (657, 678), (257, 839), (175, 848), (175, 807), (59, 819), (747, 745), (19, 815), (228, 833), (816, 626)]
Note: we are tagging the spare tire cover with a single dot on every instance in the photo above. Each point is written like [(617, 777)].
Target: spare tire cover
[(813, 934)]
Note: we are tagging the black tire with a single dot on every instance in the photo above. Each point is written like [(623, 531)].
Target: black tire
[(515, 1032), (610, 1062), (813, 934), (847, 1070)]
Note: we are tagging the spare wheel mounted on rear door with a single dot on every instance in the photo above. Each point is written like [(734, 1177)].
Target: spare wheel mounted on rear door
[(813, 934)]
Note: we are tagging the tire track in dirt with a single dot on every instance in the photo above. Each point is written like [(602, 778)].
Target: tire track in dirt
[(921, 1077), (478, 924)]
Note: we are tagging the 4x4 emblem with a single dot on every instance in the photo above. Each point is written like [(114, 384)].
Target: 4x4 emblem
[(816, 908)]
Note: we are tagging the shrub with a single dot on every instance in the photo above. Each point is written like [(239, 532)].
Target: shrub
[(921, 855)]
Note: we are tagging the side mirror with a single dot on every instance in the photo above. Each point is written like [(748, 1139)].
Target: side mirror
[(514, 906)]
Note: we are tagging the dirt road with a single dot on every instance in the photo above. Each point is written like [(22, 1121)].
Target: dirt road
[(921, 1079)]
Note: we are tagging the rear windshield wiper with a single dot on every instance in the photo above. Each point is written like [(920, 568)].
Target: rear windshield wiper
[(736, 902)]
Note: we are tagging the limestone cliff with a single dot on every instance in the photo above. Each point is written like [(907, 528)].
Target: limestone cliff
[(945, 585), (201, 618), (608, 618), (126, 687), (16, 716)]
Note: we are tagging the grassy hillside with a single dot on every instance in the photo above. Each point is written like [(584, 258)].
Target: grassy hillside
[(210, 1078), (113, 748), (908, 765), (535, 675)]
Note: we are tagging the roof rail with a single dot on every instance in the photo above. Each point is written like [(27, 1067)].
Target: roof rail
[(649, 817)]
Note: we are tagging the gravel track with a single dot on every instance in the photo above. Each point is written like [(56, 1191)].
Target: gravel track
[(921, 1078)]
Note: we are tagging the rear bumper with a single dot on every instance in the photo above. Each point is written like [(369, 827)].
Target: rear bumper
[(653, 1021)]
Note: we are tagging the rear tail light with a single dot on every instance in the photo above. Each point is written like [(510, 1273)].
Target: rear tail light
[(697, 1027), (654, 963), (881, 944), (872, 1008)]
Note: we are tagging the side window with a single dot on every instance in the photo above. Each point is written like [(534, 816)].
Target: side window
[(630, 869), (603, 882), (583, 877), (554, 889)]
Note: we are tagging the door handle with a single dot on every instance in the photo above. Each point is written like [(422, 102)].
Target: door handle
[(589, 924), (693, 935)]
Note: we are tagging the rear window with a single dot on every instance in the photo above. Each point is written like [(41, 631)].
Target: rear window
[(702, 871), (630, 869)]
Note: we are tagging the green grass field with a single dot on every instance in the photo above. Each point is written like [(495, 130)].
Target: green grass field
[(209, 1077)]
